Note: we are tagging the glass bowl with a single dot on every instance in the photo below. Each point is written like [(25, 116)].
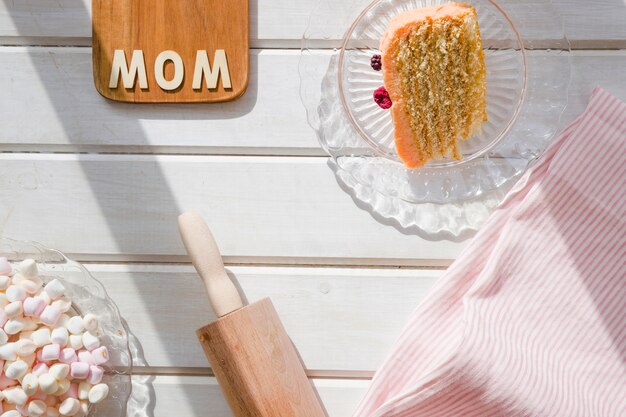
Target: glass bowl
[(88, 296), (436, 197), (505, 61)]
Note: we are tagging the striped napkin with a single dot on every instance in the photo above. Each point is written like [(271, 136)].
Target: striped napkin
[(531, 319)]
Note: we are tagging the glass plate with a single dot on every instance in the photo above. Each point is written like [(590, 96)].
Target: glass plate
[(517, 134), (88, 295)]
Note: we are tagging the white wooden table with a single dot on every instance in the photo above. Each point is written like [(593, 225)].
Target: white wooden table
[(104, 182)]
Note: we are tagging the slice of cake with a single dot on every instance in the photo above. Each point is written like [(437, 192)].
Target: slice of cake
[(434, 71)]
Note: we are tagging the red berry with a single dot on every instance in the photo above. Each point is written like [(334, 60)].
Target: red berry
[(381, 97)]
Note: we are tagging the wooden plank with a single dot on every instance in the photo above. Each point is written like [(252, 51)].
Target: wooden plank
[(281, 23), (261, 209), (55, 85), (341, 320), (193, 396)]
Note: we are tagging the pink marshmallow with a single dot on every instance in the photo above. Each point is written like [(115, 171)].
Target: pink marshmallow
[(40, 369), (72, 392), (40, 358), (86, 356), (50, 352), (100, 355), (33, 307), (5, 267), (50, 315), (3, 317), (95, 375), (79, 370), (68, 355), (6, 382)]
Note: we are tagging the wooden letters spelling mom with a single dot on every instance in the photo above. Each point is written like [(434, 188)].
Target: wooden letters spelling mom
[(164, 51)]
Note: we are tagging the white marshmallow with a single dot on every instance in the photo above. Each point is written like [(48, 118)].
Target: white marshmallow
[(75, 325), (90, 341), (37, 408), (90, 322), (11, 413), (83, 390), (84, 409), (3, 300), (41, 337), (4, 282), (7, 352), (13, 309), (14, 326), (25, 347), (30, 384), (15, 396), (76, 341), (15, 293), (3, 337), (48, 384), (69, 407), (64, 386), (55, 289), (59, 371), (64, 303), (98, 393), (45, 297), (60, 336), (30, 359), (29, 324), (28, 267), (16, 370), (30, 286)]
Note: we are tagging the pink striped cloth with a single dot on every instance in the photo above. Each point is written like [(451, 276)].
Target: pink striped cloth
[(531, 319)]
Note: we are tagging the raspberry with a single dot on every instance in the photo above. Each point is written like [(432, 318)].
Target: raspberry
[(381, 97), (376, 62)]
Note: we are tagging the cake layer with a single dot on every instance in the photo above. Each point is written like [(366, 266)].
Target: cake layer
[(434, 71)]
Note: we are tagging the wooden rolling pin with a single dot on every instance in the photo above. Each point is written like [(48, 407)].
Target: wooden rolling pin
[(255, 363)]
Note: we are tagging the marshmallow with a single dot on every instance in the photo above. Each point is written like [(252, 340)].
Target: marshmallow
[(60, 336), (13, 309), (83, 390), (59, 370), (14, 326), (100, 355), (79, 370), (90, 341), (3, 300), (75, 325), (76, 341), (86, 357), (84, 409), (64, 386), (30, 384), (15, 293), (54, 289), (33, 306), (4, 282), (11, 413), (95, 375), (6, 382), (25, 347), (28, 267), (41, 337), (64, 303), (8, 352), (45, 297), (50, 352), (40, 369), (37, 408), (50, 315), (16, 370), (52, 412), (97, 393), (30, 286), (5, 266), (29, 325), (90, 322), (68, 355), (48, 384), (30, 359), (69, 407), (3, 337), (3, 317), (15, 396)]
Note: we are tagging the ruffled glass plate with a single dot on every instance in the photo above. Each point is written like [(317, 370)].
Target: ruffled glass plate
[(88, 296), (526, 96)]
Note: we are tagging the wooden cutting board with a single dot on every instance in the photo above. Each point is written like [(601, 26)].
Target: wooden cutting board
[(162, 30)]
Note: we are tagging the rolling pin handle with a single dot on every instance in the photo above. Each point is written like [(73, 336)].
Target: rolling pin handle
[(206, 258)]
